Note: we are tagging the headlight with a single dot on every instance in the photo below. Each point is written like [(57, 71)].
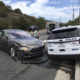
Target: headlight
[(24, 48)]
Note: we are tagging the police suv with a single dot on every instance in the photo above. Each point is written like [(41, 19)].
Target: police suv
[(64, 41)]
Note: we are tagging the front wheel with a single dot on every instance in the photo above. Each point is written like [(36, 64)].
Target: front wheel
[(20, 55)]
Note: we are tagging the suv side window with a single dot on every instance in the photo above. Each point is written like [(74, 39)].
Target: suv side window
[(79, 31)]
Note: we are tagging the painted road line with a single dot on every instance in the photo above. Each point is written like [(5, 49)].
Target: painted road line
[(43, 36), (77, 70), (44, 41)]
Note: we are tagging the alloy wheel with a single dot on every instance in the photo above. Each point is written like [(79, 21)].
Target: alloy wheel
[(12, 52)]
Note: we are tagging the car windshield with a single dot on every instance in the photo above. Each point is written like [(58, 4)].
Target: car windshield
[(19, 35), (65, 34)]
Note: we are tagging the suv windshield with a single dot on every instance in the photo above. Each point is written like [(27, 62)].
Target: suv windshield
[(66, 33)]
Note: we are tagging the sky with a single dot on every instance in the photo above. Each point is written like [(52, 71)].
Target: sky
[(54, 10)]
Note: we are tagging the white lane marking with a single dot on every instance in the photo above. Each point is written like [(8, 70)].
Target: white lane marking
[(43, 36), (44, 41)]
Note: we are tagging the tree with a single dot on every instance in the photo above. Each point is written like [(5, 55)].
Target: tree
[(20, 23), (3, 14), (18, 11), (16, 19), (41, 22), (6, 9), (3, 24), (1, 4), (74, 22)]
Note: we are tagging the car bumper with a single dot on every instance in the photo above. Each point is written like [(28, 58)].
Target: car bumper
[(34, 52)]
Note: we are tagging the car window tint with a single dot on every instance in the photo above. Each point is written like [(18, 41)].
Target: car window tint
[(3, 34), (65, 34), (19, 35), (0, 33)]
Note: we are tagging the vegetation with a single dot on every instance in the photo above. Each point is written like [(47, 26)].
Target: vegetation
[(16, 19), (72, 22), (18, 11)]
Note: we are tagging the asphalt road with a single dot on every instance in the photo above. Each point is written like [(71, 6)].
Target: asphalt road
[(11, 70)]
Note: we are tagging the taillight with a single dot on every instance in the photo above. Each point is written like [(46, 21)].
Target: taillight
[(79, 41)]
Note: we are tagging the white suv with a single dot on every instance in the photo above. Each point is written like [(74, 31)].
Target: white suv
[(64, 41)]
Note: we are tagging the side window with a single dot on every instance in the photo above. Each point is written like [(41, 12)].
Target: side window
[(79, 32), (0, 33), (3, 34)]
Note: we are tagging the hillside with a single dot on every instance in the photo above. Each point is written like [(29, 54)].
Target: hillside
[(16, 19)]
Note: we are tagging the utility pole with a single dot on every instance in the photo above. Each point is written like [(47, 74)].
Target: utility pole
[(72, 10), (79, 10), (60, 22)]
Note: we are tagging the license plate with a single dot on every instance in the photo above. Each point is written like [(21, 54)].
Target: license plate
[(61, 45)]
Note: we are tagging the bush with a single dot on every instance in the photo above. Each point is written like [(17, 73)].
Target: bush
[(18, 11), (1, 4), (3, 25), (3, 14), (20, 23)]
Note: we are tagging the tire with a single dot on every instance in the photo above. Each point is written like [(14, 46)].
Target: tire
[(19, 56)]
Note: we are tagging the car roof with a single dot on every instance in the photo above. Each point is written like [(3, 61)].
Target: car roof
[(15, 31), (65, 28), (12, 30)]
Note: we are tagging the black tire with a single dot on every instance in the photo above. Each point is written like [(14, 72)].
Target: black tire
[(20, 56)]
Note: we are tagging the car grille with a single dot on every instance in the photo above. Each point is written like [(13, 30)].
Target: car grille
[(36, 50)]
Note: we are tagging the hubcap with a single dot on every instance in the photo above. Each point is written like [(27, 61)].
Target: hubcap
[(12, 51)]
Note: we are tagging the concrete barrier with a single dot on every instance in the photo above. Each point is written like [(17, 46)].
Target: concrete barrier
[(77, 70), (62, 75)]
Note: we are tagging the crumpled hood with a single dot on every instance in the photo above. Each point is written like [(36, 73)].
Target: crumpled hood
[(30, 42)]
